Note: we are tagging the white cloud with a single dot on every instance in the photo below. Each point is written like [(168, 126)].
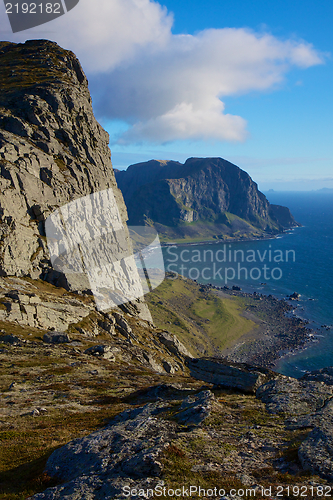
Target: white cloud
[(103, 33), (176, 92), (167, 86), (185, 122)]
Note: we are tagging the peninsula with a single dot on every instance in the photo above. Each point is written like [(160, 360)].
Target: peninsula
[(202, 199)]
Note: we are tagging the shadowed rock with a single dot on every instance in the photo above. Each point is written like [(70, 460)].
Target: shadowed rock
[(296, 397), (227, 374), (56, 338)]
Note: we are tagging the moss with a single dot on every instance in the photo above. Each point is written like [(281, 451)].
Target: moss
[(36, 253), (61, 164), (20, 71)]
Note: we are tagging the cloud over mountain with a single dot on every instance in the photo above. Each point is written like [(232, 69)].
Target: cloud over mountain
[(166, 86)]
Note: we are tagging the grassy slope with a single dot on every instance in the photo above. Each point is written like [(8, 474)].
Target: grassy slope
[(205, 323), (208, 231)]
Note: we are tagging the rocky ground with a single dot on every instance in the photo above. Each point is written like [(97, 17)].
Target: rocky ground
[(112, 402)]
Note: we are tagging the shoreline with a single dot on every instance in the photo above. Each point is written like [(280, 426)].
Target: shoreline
[(276, 335), (229, 240)]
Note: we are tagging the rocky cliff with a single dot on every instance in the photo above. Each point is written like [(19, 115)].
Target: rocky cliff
[(52, 152), (210, 190)]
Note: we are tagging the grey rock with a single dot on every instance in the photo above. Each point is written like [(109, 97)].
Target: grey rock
[(53, 152), (228, 374), (293, 396), (10, 339), (137, 308), (123, 327), (121, 321), (323, 375), (316, 452), (168, 367), (108, 326), (100, 487), (56, 338), (294, 296), (173, 344), (99, 465), (152, 362), (26, 309), (195, 409), (102, 351)]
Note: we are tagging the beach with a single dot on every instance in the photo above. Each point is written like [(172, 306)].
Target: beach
[(276, 334)]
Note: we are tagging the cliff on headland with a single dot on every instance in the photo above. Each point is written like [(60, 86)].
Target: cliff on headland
[(52, 151), (202, 191), (105, 404)]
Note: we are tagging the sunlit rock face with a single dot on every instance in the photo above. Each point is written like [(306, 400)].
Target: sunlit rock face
[(52, 152), (201, 189)]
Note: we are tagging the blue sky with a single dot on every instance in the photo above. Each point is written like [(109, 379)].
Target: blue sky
[(247, 81)]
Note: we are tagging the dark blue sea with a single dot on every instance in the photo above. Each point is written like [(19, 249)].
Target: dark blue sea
[(298, 261)]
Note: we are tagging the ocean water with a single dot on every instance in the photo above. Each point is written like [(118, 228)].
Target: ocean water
[(297, 261)]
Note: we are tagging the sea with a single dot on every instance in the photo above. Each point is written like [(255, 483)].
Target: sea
[(300, 260)]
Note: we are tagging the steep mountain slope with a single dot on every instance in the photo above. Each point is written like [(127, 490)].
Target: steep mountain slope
[(52, 150), (209, 190)]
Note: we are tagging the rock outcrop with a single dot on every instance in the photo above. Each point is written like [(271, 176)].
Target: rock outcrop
[(202, 189), (293, 396), (34, 307), (126, 455), (220, 372), (54, 159)]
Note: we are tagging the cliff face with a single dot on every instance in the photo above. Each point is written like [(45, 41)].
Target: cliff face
[(52, 150), (202, 189)]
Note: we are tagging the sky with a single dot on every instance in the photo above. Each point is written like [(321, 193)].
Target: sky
[(250, 82)]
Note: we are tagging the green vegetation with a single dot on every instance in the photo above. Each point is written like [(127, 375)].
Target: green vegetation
[(19, 71), (24, 452), (228, 228), (204, 322), (61, 164)]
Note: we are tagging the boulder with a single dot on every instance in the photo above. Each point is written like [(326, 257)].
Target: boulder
[(316, 452), (126, 452), (56, 338), (293, 396), (9, 339), (102, 351), (173, 344), (224, 373), (294, 296)]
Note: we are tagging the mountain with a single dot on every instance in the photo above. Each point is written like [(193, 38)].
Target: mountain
[(68, 368), (52, 152), (204, 195)]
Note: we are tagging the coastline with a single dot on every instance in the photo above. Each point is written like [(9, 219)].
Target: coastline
[(276, 334), (263, 237)]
